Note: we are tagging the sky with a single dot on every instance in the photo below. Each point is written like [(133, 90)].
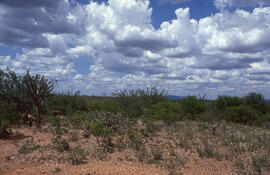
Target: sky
[(187, 47)]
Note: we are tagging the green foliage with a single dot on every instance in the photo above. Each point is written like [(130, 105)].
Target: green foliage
[(135, 141), (25, 92), (94, 105), (263, 120), (28, 147), (66, 103), (102, 133), (105, 105), (250, 109), (60, 144), (192, 107), (256, 101), (55, 123), (156, 153), (99, 130), (108, 119), (14, 90), (132, 102), (7, 117), (224, 102), (261, 164), (241, 114), (166, 111), (38, 88), (77, 155), (129, 102), (153, 95), (14, 101)]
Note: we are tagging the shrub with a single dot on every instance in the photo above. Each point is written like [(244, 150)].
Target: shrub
[(99, 130), (66, 103), (55, 123), (77, 155), (134, 140), (261, 164), (94, 105), (263, 120), (28, 147), (13, 90), (156, 153), (256, 101), (211, 113), (129, 102), (106, 105), (166, 111), (241, 114), (7, 117), (60, 144), (153, 95), (224, 102), (192, 107), (102, 134), (108, 119), (132, 102)]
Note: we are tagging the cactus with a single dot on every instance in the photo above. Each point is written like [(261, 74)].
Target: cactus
[(38, 88)]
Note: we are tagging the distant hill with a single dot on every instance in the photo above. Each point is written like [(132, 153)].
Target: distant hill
[(175, 97)]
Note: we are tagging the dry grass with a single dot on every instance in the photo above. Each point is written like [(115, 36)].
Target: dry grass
[(181, 148)]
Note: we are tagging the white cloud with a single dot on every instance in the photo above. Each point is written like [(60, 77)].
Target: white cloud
[(221, 4), (219, 54)]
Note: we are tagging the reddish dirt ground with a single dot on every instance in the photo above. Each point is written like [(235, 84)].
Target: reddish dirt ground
[(46, 162)]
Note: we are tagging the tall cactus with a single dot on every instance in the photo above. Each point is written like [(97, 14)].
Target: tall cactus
[(38, 88)]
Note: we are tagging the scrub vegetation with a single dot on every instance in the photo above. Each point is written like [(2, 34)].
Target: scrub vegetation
[(140, 125)]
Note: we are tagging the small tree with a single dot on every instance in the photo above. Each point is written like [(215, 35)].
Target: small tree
[(14, 102), (256, 101), (38, 88)]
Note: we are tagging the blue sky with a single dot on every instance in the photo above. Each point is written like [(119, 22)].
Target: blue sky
[(188, 47), (164, 11)]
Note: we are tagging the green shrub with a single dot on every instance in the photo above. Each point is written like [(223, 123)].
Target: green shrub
[(211, 113), (134, 141), (156, 153), (132, 102), (261, 164), (241, 114), (8, 116), (99, 130), (129, 102), (102, 133), (224, 102), (77, 118), (263, 120), (94, 105), (66, 103), (60, 144), (153, 95), (192, 107), (256, 101), (28, 147), (106, 105), (55, 124), (77, 155), (166, 111), (109, 120)]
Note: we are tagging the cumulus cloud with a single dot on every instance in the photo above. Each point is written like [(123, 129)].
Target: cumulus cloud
[(23, 23), (218, 54), (221, 4)]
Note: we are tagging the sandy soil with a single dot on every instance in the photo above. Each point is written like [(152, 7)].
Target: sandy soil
[(47, 162)]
